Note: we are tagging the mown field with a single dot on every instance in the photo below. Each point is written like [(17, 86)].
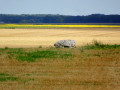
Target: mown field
[(30, 38), (90, 67), (29, 61)]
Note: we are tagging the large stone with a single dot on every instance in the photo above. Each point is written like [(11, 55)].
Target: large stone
[(65, 43)]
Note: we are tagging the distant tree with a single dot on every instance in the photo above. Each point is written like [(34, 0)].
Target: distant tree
[(49, 18)]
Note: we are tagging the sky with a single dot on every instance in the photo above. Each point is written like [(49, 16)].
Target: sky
[(62, 7)]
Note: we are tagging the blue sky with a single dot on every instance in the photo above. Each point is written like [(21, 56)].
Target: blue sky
[(63, 7)]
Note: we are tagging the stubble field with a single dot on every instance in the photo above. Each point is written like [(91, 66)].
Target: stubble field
[(44, 67), (21, 38)]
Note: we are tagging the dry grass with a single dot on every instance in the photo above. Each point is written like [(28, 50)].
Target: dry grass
[(87, 70), (47, 37)]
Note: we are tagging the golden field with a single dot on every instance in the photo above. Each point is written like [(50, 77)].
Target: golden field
[(23, 38), (12, 26), (94, 69)]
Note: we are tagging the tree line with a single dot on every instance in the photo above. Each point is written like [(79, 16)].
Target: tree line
[(48, 18)]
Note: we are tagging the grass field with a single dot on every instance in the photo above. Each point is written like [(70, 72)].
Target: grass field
[(28, 60), (91, 67)]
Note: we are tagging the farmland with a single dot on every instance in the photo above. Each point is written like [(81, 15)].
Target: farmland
[(28, 60), (13, 26), (27, 38), (88, 67)]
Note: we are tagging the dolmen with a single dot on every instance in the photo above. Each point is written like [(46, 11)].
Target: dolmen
[(65, 44)]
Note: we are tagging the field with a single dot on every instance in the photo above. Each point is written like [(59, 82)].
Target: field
[(28, 60), (22, 38), (13, 26), (92, 67)]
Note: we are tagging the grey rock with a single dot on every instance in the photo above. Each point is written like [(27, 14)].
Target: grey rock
[(65, 43)]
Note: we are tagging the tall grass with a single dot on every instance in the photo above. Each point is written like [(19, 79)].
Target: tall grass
[(99, 45)]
